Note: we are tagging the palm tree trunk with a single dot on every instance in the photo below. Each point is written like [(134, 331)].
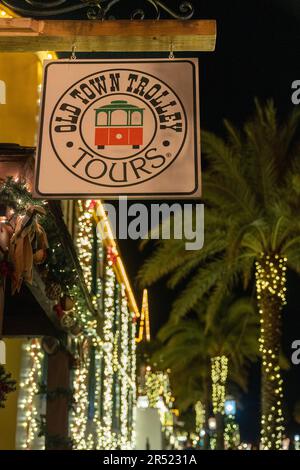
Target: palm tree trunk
[(219, 371), (220, 431), (270, 286), (207, 410)]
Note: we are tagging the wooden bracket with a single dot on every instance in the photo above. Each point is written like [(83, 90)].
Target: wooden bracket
[(26, 34)]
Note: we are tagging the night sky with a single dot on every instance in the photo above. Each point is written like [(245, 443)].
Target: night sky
[(257, 55)]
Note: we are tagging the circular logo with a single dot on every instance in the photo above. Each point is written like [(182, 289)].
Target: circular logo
[(118, 128)]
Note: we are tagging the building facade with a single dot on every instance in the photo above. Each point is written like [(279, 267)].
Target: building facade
[(70, 326)]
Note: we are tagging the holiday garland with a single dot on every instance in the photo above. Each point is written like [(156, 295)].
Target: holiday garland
[(14, 194), (52, 262), (23, 239), (58, 392), (54, 441)]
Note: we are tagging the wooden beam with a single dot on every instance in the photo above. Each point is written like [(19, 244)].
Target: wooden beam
[(25, 34), (15, 26)]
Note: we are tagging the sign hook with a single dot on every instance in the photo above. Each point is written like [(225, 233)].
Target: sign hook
[(171, 54), (73, 52)]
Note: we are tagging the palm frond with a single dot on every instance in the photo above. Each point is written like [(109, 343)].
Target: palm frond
[(201, 283)]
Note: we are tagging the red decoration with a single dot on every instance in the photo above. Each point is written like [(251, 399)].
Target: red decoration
[(93, 204), (5, 268), (112, 255), (58, 310)]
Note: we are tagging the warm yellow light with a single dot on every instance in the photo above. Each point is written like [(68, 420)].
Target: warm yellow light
[(103, 225), (219, 372), (116, 350), (5, 13), (31, 376), (270, 284), (144, 320)]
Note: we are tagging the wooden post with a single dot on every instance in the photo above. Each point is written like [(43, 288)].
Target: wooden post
[(57, 408)]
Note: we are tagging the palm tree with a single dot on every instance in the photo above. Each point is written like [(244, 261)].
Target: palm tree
[(183, 352), (252, 232), (198, 357)]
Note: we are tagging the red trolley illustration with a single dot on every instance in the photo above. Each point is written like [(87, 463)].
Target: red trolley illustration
[(119, 123)]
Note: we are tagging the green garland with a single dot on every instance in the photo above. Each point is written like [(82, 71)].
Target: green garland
[(57, 263), (57, 267), (58, 392), (53, 441), (15, 195), (7, 385)]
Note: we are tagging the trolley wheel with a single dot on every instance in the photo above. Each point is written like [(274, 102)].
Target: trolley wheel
[(135, 146), (100, 146)]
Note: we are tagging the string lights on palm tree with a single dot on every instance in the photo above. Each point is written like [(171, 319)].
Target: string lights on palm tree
[(144, 328), (200, 416), (271, 290), (219, 373), (252, 197)]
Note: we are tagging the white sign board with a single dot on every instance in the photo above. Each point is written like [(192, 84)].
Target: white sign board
[(2, 92), (2, 352), (119, 127)]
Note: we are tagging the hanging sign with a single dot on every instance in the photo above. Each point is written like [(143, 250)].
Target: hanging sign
[(2, 92), (119, 127), (2, 353)]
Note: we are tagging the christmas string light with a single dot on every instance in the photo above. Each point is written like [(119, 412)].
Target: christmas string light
[(79, 415), (132, 346), (108, 356), (219, 371), (200, 416), (125, 365), (144, 328), (271, 294), (98, 398), (160, 396), (231, 433), (118, 332), (84, 241), (213, 443), (104, 230), (154, 386), (29, 403), (114, 358)]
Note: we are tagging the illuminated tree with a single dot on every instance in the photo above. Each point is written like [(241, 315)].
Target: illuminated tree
[(251, 189), (202, 362)]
